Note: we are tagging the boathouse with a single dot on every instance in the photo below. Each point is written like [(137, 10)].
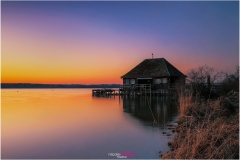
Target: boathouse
[(158, 73)]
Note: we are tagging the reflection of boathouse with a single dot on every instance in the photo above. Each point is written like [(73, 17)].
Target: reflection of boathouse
[(159, 109), (151, 76)]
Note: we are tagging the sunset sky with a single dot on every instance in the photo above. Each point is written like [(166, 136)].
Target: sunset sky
[(97, 42)]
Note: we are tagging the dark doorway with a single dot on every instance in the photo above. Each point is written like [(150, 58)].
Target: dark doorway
[(144, 81)]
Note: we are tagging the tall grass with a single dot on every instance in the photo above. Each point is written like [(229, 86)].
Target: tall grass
[(185, 101), (205, 130)]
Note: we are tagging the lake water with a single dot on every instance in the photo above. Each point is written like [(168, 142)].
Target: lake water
[(71, 124)]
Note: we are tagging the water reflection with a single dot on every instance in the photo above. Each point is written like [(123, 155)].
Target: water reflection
[(71, 124), (157, 109)]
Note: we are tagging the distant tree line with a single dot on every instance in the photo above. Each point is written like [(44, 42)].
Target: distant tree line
[(30, 85)]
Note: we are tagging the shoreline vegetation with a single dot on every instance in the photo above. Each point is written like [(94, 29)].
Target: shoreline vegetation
[(206, 129), (32, 85), (208, 125)]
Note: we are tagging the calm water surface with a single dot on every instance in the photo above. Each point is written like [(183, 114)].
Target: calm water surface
[(70, 123)]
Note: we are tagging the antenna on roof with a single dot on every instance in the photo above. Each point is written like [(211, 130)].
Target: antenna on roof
[(152, 55)]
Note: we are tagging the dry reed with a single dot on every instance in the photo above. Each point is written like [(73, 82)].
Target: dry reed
[(205, 130)]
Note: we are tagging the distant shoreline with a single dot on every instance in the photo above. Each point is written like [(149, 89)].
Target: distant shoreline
[(30, 85)]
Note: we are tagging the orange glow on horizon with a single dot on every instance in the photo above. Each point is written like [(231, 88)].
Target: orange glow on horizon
[(103, 80), (40, 74)]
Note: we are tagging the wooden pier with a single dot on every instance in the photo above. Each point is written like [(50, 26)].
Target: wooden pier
[(103, 92), (132, 90)]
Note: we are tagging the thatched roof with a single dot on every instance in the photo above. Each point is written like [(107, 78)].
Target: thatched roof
[(157, 67)]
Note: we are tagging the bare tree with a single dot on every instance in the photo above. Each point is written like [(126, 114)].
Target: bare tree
[(201, 79)]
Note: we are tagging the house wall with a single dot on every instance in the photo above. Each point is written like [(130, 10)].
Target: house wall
[(157, 83), (174, 80), (137, 81)]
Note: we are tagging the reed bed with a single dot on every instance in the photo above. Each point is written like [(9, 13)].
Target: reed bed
[(206, 129)]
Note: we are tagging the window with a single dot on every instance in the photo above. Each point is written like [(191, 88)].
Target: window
[(127, 81), (132, 81), (158, 81), (164, 80), (161, 80)]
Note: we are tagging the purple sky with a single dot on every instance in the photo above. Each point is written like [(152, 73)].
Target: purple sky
[(97, 42)]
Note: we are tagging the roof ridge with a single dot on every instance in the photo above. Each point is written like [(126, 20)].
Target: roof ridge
[(153, 58), (173, 67), (166, 65)]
